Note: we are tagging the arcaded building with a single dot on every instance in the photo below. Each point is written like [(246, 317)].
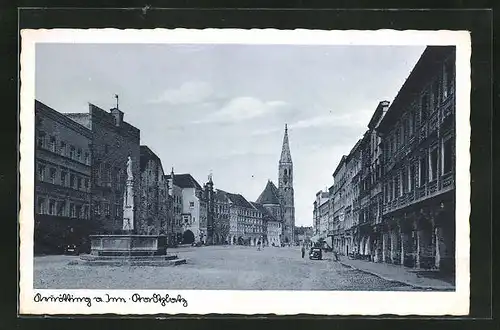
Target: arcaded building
[(418, 138)]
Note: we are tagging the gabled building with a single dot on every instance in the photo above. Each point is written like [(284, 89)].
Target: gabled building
[(175, 209), (270, 199), (246, 225), (269, 226), (193, 209)]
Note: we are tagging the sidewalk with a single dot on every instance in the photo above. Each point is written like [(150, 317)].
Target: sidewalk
[(396, 273)]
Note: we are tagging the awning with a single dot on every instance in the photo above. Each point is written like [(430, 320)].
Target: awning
[(315, 238)]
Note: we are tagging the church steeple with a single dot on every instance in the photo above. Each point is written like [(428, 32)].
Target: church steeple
[(285, 187), (286, 157), (285, 168)]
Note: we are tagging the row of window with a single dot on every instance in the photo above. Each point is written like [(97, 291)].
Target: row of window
[(221, 208), (426, 168), (104, 209), (435, 92), (252, 230), (248, 213), (62, 208), (250, 221), (105, 175), (50, 143), (374, 176), (62, 176)]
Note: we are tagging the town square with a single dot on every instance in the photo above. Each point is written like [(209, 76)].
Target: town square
[(216, 268), (234, 167)]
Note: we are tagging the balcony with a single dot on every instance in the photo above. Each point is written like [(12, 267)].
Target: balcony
[(428, 190), (447, 180), (420, 191), (447, 108), (433, 123), (431, 187), (422, 133)]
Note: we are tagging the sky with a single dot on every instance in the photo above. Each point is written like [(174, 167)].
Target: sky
[(221, 109)]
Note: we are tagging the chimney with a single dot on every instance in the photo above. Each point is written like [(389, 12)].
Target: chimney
[(118, 115)]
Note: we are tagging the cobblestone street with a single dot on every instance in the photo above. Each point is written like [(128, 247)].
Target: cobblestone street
[(212, 268)]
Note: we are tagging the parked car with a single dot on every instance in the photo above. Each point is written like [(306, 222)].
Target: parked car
[(71, 249), (316, 253)]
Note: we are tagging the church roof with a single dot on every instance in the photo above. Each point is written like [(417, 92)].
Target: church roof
[(270, 195), (286, 157)]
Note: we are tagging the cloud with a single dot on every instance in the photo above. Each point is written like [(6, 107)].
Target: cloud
[(243, 108), (188, 93)]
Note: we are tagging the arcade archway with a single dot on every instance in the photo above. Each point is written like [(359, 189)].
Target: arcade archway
[(188, 237)]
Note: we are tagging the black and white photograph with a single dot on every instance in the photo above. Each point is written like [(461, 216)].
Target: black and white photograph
[(259, 168)]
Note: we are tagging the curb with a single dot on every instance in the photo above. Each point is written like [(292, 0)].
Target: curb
[(419, 286)]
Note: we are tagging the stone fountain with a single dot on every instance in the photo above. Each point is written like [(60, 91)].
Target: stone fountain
[(129, 248)]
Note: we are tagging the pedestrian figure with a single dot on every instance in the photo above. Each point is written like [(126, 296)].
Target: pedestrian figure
[(303, 251), (258, 246), (336, 255)]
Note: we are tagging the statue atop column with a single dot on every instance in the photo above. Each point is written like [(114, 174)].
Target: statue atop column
[(128, 199), (130, 176)]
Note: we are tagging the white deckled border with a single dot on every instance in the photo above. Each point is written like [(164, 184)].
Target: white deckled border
[(253, 302)]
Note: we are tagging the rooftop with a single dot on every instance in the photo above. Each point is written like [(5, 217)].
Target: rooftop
[(270, 195), (185, 181)]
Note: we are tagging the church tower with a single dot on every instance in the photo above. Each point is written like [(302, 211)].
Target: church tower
[(285, 186)]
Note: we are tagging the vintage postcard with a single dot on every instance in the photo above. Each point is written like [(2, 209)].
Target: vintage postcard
[(244, 172)]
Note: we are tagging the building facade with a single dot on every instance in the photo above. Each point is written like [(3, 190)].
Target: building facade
[(175, 209), (113, 141), (193, 208), (407, 178), (153, 207), (304, 235), (274, 230), (221, 218), (321, 214), (324, 215), (370, 195), (353, 164), (418, 136), (339, 196), (62, 179), (248, 221)]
